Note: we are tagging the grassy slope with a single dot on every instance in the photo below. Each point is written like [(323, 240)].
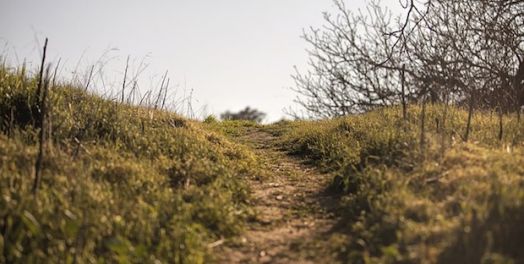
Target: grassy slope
[(125, 183), (120, 183), (463, 203)]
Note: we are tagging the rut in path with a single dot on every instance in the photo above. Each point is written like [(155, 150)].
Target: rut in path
[(293, 223)]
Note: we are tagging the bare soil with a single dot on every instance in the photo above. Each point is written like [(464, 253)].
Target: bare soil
[(293, 223)]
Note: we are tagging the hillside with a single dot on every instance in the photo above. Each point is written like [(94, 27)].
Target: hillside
[(119, 183), (447, 201), (123, 183), (370, 193)]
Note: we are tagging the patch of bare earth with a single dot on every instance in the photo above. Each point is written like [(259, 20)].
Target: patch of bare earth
[(293, 221)]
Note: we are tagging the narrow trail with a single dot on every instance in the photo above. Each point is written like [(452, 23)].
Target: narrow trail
[(293, 223)]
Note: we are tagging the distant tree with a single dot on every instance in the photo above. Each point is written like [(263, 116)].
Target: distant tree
[(246, 114)]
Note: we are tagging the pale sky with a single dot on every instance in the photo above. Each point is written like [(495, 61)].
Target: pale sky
[(232, 53)]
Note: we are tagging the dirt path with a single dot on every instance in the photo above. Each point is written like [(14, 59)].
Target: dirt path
[(293, 223)]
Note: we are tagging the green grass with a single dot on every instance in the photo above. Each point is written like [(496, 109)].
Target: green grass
[(120, 183), (230, 128), (124, 184), (453, 202)]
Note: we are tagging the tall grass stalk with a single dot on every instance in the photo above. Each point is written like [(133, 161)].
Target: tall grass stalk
[(43, 87)]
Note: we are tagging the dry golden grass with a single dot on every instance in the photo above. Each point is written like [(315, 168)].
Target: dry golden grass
[(455, 203)]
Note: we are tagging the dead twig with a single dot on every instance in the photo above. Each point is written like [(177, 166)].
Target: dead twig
[(216, 243), (470, 115), (42, 88), (159, 96), (124, 82), (403, 85), (89, 77), (423, 127)]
